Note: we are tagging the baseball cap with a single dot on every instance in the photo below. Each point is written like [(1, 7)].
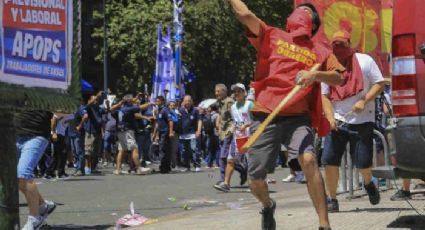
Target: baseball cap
[(238, 85)]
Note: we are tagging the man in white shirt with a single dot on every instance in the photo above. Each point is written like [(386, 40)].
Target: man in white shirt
[(350, 109)]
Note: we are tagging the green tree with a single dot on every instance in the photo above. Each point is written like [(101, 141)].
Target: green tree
[(214, 47)]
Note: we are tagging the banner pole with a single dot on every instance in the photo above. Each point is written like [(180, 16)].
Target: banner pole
[(105, 51), (9, 198)]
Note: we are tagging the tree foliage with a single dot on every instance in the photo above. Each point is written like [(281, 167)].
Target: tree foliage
[(214, 47)]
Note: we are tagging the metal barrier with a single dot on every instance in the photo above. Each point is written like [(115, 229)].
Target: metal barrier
[(350, 176)]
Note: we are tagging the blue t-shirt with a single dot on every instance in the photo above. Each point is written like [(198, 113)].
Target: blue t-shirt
[(164, 117), (78, 115), (126, 119), (143, 123), (94, 123), (189, 120), (110, 123)]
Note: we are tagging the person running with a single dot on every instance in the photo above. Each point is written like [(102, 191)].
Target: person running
[(350, 109), (33, 129), (242, 120), (283, 58)]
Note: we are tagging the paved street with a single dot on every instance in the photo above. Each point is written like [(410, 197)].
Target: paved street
[(96, 202)]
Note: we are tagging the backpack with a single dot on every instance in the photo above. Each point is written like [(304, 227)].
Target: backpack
[(208, 124)]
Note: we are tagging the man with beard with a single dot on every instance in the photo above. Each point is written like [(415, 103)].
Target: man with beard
[(350, 109), (283, 58)]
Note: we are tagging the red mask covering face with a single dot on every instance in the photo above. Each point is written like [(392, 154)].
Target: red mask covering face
[(299, 23), (343, 53)]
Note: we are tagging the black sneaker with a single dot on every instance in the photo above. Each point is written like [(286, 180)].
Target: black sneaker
[(267, 220), (49, 177), (244, 178), (63, 176), (373, 193), (401, 195), (325, 228), (222, 187), (333, 205)]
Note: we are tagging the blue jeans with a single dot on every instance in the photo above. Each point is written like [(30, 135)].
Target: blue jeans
[(191, 151), (77, 144), (30, 150)]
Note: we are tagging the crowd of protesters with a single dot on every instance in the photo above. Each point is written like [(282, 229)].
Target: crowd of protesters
[(138, 131)]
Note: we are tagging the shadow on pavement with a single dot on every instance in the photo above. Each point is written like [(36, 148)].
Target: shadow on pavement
[(26, 204), (240, 186), (410, 222), (85, 227), (82, 179), (377, 210)]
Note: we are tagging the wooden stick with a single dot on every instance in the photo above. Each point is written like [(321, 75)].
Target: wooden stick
[(273, 114)]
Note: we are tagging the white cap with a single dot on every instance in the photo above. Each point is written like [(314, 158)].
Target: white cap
[(238, 85)]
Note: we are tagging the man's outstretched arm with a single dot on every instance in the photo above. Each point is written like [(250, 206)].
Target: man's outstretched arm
[(246, 17)]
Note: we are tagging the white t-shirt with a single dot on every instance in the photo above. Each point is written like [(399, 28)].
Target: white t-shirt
[(241, 114), (371, 75)]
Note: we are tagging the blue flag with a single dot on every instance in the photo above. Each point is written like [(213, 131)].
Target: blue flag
[(163, 80)]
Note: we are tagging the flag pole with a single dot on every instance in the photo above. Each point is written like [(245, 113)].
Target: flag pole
[(178, 38)]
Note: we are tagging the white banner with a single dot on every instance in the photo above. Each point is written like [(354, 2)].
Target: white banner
[(36, 42)]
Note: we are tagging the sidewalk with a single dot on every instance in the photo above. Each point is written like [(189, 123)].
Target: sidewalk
[(294, 211)]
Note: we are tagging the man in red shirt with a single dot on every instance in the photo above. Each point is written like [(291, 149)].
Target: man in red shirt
[(283, 60)]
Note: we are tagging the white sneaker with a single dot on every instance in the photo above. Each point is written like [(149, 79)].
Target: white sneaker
[(46, 208), (143, 171), (34, 223), (148, 162), (289, 178), (299, 177), (197, 169)]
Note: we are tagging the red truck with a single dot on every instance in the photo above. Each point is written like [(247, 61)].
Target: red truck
[(408, 87)]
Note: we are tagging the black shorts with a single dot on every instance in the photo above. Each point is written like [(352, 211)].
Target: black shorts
[(294, 132), (360, 137)]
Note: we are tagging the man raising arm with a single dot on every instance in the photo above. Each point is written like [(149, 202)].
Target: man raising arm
[(286, 56)]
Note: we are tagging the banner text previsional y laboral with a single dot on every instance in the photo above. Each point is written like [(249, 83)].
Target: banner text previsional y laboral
[(36, 40)]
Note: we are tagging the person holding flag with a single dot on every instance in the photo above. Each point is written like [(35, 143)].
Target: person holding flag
[(283, 58)]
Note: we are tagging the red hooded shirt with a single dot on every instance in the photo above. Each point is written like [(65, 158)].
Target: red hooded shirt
[(279, 59)]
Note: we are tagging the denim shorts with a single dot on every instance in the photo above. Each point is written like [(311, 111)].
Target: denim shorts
[(360, 138), (29, 152)]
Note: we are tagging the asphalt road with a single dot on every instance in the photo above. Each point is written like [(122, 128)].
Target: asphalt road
[(96, 202)]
